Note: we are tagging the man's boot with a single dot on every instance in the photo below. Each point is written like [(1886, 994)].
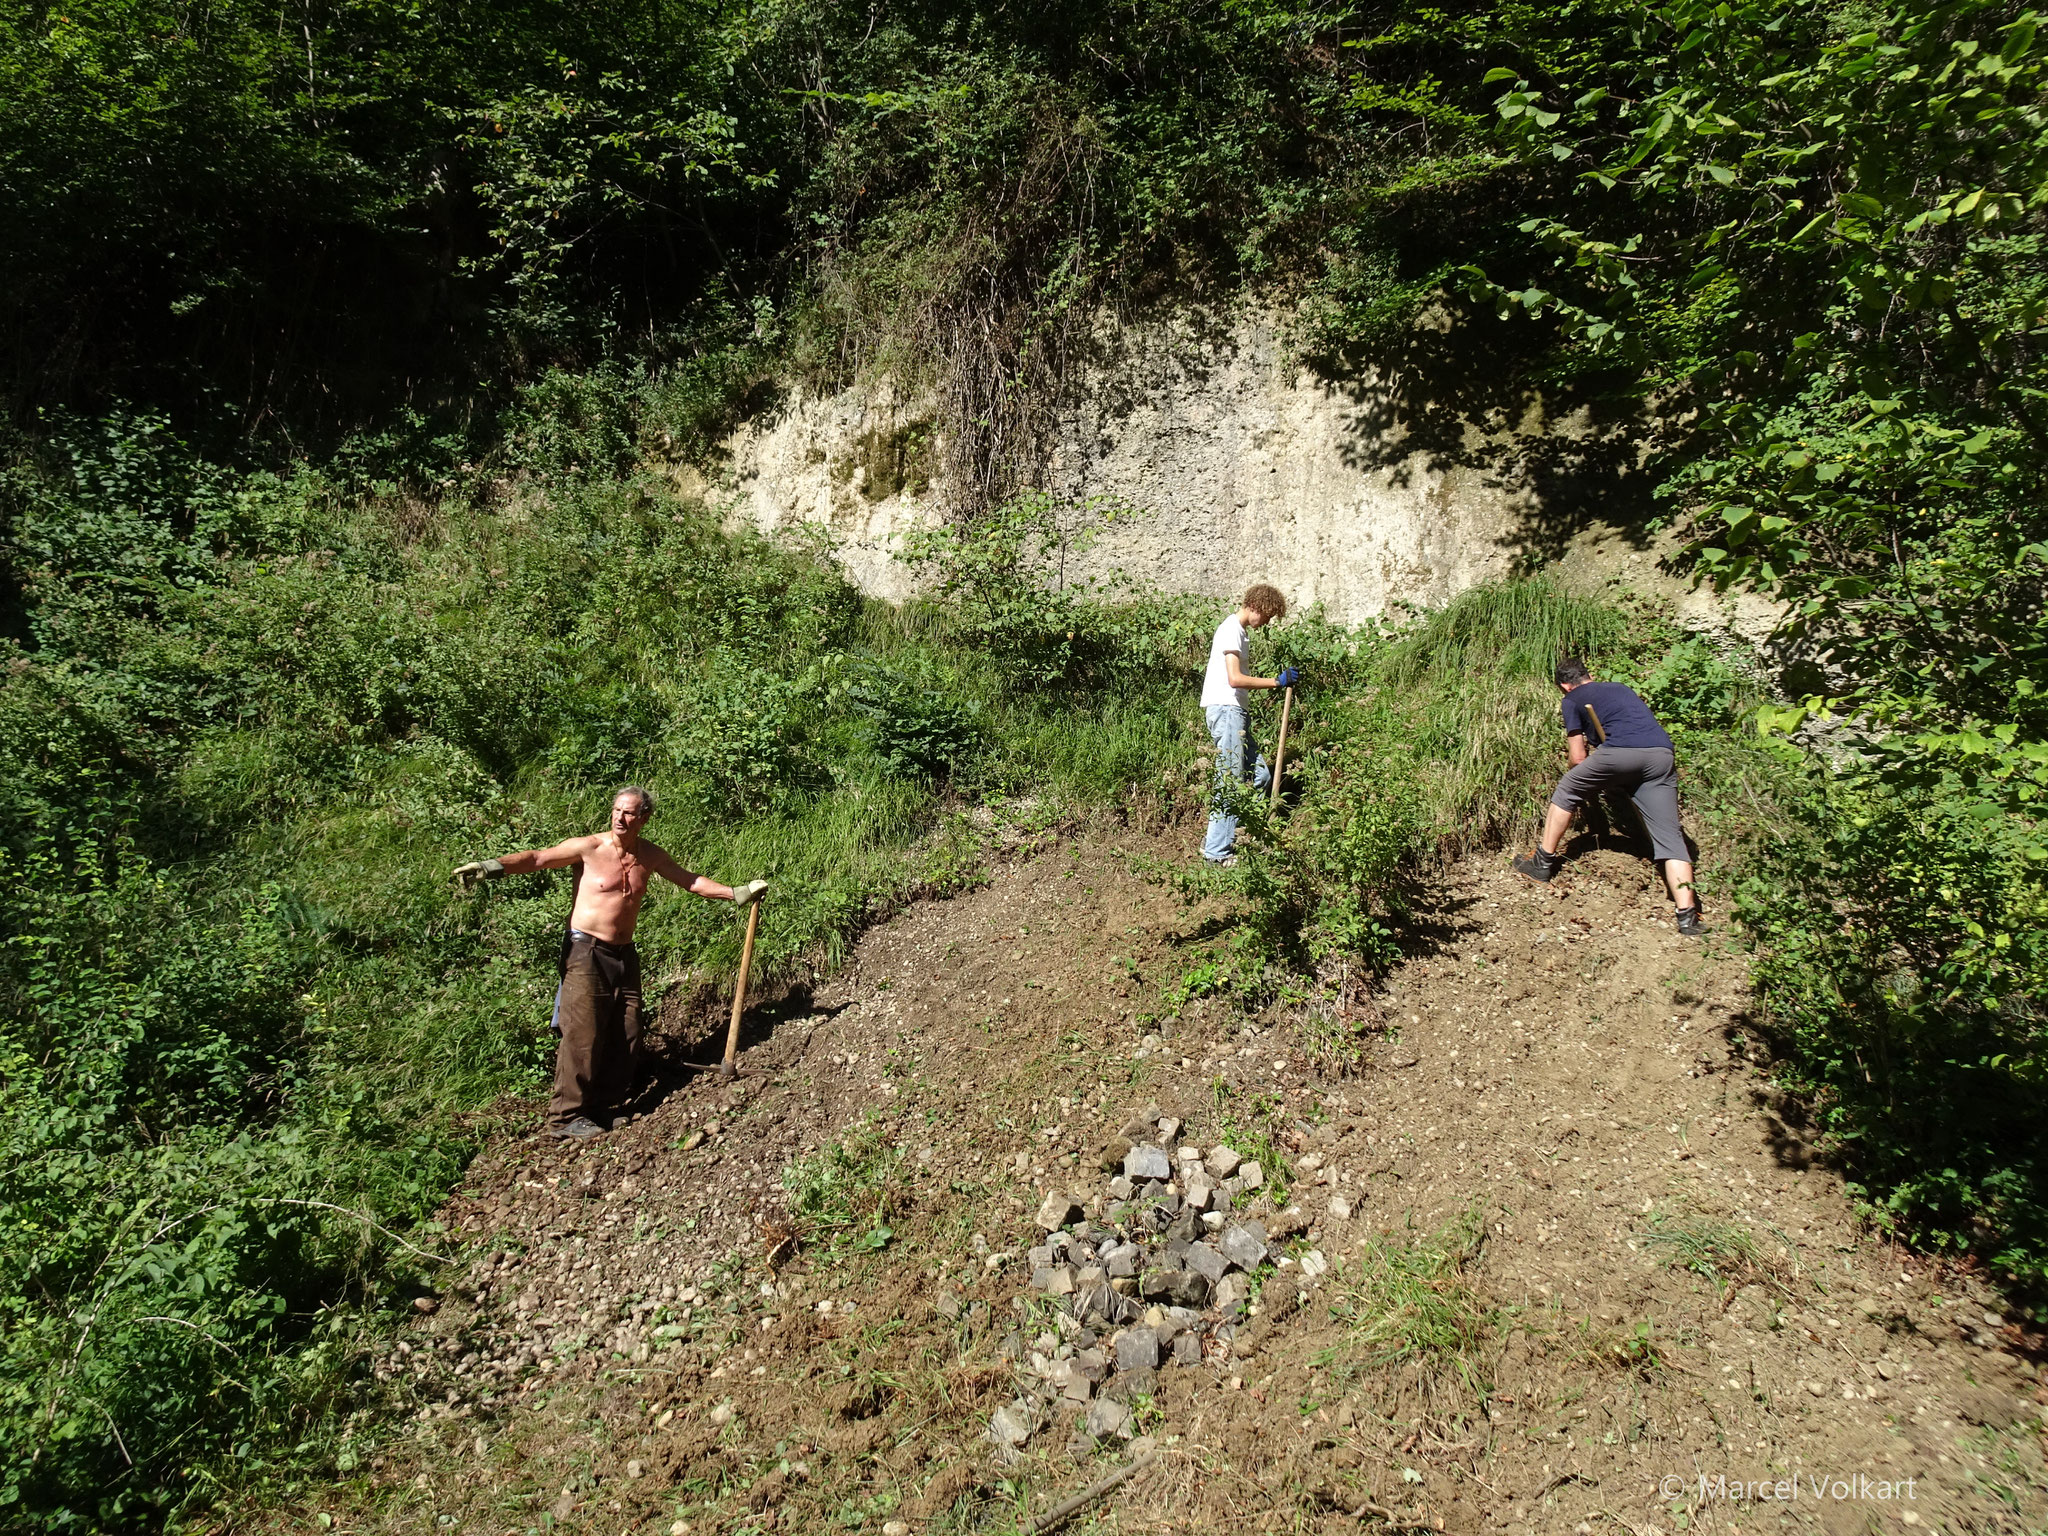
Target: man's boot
[(1540, 866), (1689, 924)]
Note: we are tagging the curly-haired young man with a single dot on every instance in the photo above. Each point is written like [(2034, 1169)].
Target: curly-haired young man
[(1225, 692)]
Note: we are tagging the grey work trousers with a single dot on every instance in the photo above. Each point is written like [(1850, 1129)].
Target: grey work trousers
[(1647, 776)]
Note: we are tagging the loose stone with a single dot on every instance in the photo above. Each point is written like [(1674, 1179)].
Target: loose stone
[(1137, 1349), (1147, 1162)]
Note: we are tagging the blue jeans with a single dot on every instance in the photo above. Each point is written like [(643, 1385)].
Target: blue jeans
[(1237, 758)]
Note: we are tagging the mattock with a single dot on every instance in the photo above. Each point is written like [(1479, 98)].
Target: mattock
[(1280, 753), (729, 1069)]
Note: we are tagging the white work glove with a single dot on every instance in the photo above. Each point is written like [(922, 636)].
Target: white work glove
[(468, 875), (746, 895)]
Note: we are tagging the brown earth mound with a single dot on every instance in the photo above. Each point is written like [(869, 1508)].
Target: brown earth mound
[(1549, 1257)]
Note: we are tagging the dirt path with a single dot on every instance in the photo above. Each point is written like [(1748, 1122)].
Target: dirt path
[(1546, 1262)]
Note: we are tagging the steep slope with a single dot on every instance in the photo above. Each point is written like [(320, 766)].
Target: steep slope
[(1549, 1256)]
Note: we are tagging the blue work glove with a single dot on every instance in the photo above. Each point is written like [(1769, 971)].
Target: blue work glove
[(1288, 677)]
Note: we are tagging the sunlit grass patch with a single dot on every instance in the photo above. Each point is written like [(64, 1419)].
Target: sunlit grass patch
[(1407, 1304)]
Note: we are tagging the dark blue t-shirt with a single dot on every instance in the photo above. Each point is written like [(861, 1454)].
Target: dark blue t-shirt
[(1627, 718)]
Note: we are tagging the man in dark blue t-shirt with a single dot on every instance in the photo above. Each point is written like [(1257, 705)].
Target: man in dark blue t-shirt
[(1630, 754)]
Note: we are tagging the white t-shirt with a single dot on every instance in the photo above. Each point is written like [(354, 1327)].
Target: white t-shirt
[(1216, 690)]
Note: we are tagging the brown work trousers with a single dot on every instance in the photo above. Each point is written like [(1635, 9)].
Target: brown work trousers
[(598, 1014)]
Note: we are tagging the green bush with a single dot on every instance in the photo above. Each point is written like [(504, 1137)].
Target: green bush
[(1693, 687), (1903, 952), (923, 727)]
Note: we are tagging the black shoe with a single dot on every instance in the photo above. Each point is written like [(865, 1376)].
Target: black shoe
[(1540, 866), (1689, 924), (578, 1129)]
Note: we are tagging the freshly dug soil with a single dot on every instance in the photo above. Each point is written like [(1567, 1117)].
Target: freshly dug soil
[(1555, 1255)]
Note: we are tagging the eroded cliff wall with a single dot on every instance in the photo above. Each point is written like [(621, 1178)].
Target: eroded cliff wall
[(1240, 464)]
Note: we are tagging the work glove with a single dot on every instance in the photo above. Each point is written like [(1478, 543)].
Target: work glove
[(1288, 677), (468, 875), (746, 895)]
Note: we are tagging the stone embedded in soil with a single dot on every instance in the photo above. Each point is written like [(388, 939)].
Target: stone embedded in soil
[(1120, 1187), (1006, 1426), (1340, 1207), (1075, 1385), (1229, 1292), (1222, 1162), (1241, 1246), (1148, 1162), (1137, 1349), (1056, 1212), (1250, 1176), (1205, 1261), (722, 1415), (1187, 1348), (1122, 1260), (1106, 1418)]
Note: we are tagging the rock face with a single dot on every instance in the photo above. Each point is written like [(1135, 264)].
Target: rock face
[(1237, 460)]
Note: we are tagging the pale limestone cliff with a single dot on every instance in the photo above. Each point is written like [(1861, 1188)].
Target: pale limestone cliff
[(1239, 464)]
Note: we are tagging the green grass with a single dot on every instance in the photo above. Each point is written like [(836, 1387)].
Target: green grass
[(244, 997), (1407, 1304), (841, 1199), (1727, 1256)]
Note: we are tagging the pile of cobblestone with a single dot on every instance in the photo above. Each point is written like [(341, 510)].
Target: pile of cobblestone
[(1159, 1278)]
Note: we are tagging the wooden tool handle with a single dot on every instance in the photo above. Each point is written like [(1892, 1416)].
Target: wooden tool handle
[(1280, 752), (729, 1070)]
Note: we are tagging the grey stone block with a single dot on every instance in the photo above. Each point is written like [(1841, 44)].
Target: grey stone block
[(1107, 1418), (1056, 1211), (1207, 1262), (1145, 1161), (1137, 1349), (1222, 1162), (1240, 1245)]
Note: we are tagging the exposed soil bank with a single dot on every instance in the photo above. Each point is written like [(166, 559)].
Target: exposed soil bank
[(1661, 1285)]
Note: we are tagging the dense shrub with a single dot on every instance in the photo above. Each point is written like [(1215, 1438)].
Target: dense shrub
[(1903, 937)]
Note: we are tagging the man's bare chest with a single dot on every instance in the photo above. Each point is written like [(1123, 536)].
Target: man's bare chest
[(610, 873)]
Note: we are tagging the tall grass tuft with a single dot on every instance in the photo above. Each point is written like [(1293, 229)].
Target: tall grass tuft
[(1472, 688)]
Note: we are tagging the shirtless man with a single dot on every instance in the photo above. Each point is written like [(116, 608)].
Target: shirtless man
[(597, 1011)]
